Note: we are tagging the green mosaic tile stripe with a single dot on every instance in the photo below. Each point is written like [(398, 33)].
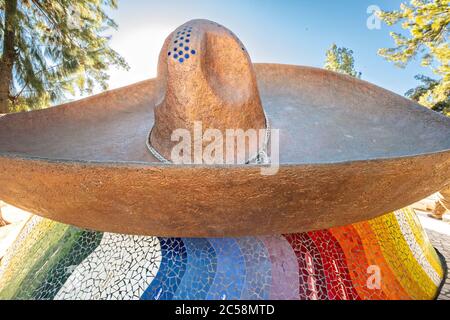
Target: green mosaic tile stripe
[(46, 263)]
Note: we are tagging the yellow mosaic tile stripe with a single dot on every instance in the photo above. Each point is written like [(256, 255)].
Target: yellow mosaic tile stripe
[(390, 285), (423, 241), (415, 248), (28, 253), (399, 256), (15, 246)]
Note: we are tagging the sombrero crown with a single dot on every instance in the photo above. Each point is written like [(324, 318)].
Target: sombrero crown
[(205, 75)]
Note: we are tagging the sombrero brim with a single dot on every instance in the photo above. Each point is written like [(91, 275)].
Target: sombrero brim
[(349, 151)]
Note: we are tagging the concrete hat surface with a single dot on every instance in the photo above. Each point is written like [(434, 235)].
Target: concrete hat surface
[(345, 148)]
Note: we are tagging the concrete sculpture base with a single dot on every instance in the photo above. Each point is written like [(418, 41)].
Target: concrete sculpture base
[(389, 257)]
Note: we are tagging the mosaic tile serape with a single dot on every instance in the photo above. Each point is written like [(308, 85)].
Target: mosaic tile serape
[(50, 260)]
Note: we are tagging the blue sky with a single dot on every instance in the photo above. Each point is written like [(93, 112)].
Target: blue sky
[(292, 32)]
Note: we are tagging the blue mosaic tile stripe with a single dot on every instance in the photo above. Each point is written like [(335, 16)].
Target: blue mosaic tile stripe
[(200, 272), (230, 275), (172, 269), (258, 269)]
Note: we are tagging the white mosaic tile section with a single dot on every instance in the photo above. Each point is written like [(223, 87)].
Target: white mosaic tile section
[(416, 249), (120, 268)]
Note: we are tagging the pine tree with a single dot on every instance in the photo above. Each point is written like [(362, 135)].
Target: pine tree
[(422, 92), (341, 60), (50, 48), (428, 24)]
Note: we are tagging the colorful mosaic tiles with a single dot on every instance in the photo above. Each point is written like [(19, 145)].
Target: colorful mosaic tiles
[(386, 258), (121, 267)]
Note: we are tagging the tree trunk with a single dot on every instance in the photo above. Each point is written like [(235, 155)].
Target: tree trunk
[(9, 54)]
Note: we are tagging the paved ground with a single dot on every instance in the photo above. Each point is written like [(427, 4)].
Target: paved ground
[(439, 234), (442, 243)]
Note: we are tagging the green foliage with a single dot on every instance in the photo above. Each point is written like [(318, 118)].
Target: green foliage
[(341, 60), (428, 24), (61, 47), (422, 95)]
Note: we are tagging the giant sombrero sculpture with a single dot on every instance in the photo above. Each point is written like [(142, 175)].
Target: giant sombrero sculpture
[(349, 152)]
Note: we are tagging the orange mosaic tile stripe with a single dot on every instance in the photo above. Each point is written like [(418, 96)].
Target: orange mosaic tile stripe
[(357, 262)]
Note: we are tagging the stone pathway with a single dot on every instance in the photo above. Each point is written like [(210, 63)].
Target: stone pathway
[(439, 234), (442, 243), (14, 219)]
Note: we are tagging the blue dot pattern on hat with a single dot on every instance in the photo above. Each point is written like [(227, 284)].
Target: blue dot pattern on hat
[(177, 55)]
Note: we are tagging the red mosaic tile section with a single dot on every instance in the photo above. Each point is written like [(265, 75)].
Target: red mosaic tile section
[(312, 282), (338, 281)]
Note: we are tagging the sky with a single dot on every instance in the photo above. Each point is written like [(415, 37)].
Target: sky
[(273, 31)]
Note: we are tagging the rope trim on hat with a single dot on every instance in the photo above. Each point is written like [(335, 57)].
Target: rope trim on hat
[(260, 158), (153, 151)]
